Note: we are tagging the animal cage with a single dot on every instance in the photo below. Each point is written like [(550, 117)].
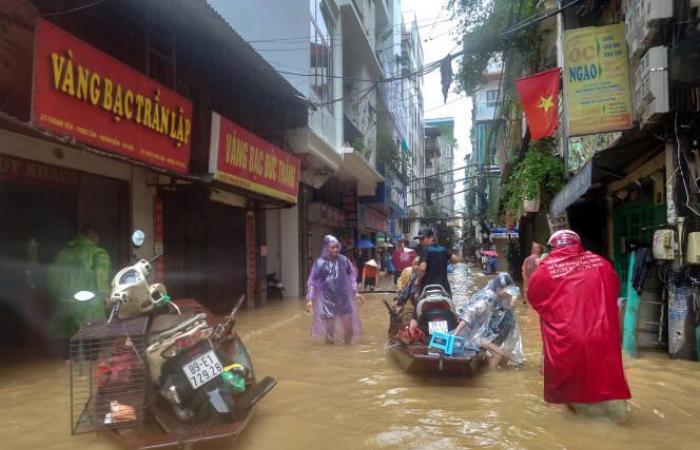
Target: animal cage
[(108, 376)]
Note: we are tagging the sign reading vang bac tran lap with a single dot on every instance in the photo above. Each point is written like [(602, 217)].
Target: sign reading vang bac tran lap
[(242, 159), (86, 94)]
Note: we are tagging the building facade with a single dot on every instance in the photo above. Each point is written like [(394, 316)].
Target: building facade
[(153, 116), (412, 89), (482, 173)]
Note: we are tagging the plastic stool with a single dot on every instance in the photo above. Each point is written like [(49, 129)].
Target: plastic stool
[(448, 343)]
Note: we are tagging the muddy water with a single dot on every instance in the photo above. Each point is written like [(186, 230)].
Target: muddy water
[(356, 398)]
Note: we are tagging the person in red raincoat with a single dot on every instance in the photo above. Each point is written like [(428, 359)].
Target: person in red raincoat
[(575, 294)]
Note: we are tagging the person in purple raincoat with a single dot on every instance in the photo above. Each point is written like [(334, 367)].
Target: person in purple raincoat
[(332, 295)]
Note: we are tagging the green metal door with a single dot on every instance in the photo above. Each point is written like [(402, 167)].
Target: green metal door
[(634, 220)]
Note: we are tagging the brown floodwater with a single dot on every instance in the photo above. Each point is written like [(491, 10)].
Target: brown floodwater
[(356, 397)]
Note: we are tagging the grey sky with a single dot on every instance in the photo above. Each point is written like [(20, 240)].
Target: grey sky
[(438, 33)]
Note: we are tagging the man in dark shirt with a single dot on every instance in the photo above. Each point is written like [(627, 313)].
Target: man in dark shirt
[(433, 259)]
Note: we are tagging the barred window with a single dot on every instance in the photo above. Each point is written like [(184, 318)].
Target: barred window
[(321, 52)]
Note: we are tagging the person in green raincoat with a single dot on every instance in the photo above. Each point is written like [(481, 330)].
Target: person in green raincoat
[(81, 266)]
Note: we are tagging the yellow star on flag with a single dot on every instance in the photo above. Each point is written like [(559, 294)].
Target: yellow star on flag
[(546, 103)]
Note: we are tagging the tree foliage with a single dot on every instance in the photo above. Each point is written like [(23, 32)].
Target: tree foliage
[(482, 24)]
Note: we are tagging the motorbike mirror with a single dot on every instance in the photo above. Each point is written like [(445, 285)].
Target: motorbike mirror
[(84, 296), (138, 238)]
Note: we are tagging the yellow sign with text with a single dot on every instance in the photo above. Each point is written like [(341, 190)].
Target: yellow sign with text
[(596, 80)]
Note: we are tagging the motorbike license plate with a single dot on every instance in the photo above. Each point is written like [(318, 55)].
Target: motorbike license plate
[(202, 369), (438, 325)]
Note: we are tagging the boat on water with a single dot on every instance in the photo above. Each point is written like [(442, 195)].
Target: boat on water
[(160, 428), (417, 359), (435, 313)]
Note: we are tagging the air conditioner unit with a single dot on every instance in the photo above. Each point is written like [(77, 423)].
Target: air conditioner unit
[(664, 245), (642, 18), (651, 89)]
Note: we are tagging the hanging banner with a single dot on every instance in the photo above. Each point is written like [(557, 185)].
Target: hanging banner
[(240, 158), (88, 95), (596, 80)]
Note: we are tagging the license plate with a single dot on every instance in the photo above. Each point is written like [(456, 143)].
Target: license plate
[(438, 325), (202, 369)]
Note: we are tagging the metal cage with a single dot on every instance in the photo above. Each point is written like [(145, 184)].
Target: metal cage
[(108, 376)]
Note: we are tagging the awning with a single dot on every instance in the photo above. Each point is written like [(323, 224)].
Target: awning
[(633, 148), (574, 189)]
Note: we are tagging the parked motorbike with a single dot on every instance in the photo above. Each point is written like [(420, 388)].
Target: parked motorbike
[(197, 365), (275, 287), (435, 311)]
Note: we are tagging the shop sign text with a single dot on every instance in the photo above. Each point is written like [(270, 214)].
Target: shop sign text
[(88, 95), (596, 80), (240, 158)]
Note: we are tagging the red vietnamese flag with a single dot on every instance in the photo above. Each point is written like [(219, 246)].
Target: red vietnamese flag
[(539, 94)]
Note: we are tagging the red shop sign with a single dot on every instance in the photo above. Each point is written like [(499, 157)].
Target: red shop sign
[(86, 94), (240, 158)]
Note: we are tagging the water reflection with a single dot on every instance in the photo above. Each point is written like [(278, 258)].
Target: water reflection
[(356, 397)]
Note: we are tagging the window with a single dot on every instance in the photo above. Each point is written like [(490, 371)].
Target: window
[(321, 52), (160, 54), (491, 98)]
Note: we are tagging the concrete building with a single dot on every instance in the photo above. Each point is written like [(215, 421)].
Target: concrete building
[(482, 172), (335, 52), (303, 41), (412, 88), (158, 138)]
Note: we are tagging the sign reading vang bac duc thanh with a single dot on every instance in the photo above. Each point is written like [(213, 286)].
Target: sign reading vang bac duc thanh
[(596, 81), (86, 94), (243, 159)]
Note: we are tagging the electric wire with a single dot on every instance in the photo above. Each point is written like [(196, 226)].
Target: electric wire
[(58, 13)]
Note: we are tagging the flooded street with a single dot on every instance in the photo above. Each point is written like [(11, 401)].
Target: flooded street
[(356, 397)]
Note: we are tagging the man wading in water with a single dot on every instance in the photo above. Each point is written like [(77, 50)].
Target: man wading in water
[(575, 293)]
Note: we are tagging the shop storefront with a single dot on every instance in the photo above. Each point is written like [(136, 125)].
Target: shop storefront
[(324, 219), (98, 135), (217, 231), (42, 208)]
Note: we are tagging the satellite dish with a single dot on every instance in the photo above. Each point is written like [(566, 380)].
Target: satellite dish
[(84, 296), (138, 238)]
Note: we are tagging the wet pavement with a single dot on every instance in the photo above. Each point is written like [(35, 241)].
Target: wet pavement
[(355, 397)]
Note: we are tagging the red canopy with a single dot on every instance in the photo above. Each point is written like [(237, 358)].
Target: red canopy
[(575, 293)]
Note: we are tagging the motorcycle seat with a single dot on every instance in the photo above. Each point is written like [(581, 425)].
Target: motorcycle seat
[(167, 325)]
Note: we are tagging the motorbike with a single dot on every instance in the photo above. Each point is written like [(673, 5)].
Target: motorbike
[(275, 287), (435, 314), (435, 311), (198, 375)]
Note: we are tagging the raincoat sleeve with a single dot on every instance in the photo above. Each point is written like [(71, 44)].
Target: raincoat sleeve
[(315, 280), (537, 287), (103, 269)]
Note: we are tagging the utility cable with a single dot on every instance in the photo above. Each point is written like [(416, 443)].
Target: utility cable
[(57, 13)]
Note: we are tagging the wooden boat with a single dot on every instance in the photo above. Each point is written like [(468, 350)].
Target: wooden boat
[(162, 430), (416, 360)]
